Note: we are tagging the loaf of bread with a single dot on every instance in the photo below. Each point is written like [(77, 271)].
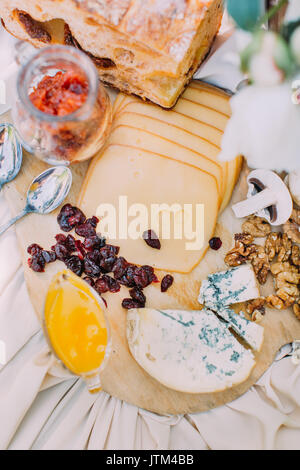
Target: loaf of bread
[(150, 48)]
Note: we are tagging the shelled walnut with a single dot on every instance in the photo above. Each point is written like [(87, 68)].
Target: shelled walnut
[(296, 309), (286, 278), (280, 254), (243, 248), (291, 228), (260, 263), (272, 245), (256, 309), (295, 255), (280, 301), (256, 226)]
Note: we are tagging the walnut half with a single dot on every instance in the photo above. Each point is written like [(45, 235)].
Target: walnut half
[(292, 227), (256, 226)]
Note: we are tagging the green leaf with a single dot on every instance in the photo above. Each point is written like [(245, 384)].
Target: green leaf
[(252, 49), (289, 28), (283, 57), (246, 13)]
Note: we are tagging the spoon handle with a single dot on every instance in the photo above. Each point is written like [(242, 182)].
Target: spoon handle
[(12, 221)]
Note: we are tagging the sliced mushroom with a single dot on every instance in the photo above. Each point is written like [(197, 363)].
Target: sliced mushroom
[(294, 186), (268, 197)]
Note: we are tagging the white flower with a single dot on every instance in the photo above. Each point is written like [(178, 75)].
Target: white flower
[(263, 68), (293, 11), (265, 128), (264, 71)]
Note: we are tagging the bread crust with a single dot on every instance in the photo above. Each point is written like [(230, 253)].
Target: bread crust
[(145, 47)]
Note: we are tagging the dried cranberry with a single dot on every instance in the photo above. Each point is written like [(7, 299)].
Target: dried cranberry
[(150, 272), (109, 250), (69, 217), (90, 281), (60, 251), (80, 249), (37, 263), (60, 238), (70, 244), (75, 265), (137, 294), (107, 264), (119, 268), (91, 266), (166, 282), (152, 239), (113, 285), (101, 286), (141, 278), (94, 221), (85, 230), (94, 242), (93, 256), (128, 280), (131, 303), (34, 249), (104, 301), (49, 256), (215, 243)]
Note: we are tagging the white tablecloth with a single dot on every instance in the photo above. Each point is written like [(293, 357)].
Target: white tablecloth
[(41, 408)]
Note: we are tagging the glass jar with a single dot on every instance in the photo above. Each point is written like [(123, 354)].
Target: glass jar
[(61, 139)]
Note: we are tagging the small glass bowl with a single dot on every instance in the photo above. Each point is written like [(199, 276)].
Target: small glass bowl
[(61, 140)]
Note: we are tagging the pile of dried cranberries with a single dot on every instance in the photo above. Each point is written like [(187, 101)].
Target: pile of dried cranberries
[(95, 259)]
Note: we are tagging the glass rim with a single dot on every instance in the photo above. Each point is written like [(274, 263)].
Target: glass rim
[(108, 348), (71, 55)]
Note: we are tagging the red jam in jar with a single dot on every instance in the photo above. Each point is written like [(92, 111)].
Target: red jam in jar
[(63, 113), (61, 94)]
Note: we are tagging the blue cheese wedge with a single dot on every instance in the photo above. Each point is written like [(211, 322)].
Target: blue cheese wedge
[(225, 288), (188, 351), (251, 332)]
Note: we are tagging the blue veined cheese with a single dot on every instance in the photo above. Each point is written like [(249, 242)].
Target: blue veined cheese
[(250, 331), (225, 288), (188, 351)]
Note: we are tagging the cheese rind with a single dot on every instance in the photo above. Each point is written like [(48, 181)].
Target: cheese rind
[(225, 288), (188, 351), (249, 331)]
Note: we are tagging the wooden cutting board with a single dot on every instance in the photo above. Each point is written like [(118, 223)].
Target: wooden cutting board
[(123, 378)]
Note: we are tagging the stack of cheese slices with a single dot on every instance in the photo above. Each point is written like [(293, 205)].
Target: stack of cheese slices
[(155, 156)]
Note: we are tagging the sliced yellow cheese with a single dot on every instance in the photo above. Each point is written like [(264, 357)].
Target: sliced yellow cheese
[(202, 113), (178, 135), (148, 180), (149, 141), (234, 169), (120, 99), (175, 134), (182, 129), (208, 97), (205, 131)]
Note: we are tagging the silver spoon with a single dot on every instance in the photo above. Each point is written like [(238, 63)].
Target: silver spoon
[(45, 193), (11, 154)]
